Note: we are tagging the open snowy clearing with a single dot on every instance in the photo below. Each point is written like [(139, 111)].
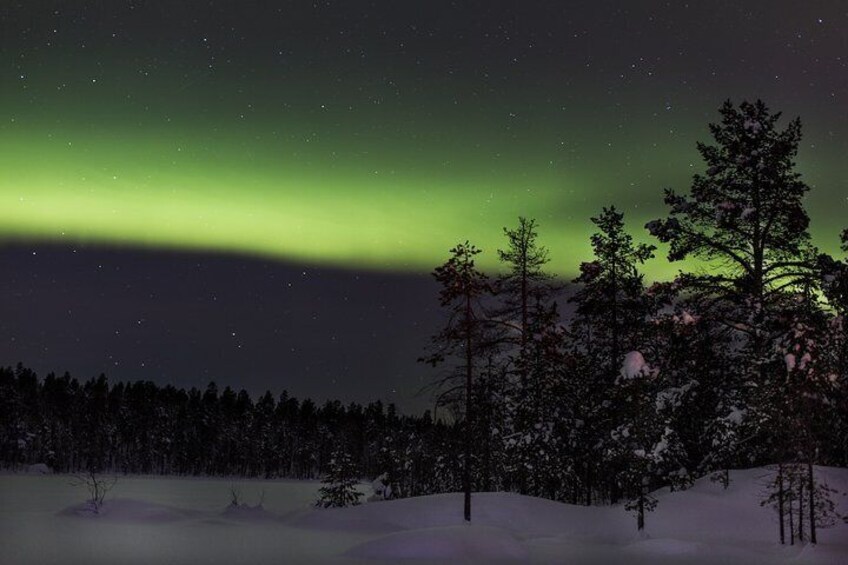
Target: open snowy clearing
[(184, 520)]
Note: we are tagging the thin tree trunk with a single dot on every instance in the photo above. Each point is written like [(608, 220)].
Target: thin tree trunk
[(640, 520), (524, 300), (466, 472), (487, 450), (812, 504), (590, 350), (791, 519), (780, 509), (800, 510), (616, 350)]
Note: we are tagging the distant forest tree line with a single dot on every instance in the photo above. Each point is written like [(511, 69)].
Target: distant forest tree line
[(143, 427), (741, 360)]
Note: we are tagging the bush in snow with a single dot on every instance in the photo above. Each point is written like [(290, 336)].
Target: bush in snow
[(381, 487), (237, 500), (97, 486)]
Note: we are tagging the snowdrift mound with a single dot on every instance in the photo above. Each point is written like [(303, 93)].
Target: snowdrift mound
[(247, 513), (523, 516), (702, 524), (462, 543), (129, 510), (709, 512), (172, 520), (39, 469)]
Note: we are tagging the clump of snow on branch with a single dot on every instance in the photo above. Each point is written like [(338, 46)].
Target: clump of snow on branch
[(635, 366)]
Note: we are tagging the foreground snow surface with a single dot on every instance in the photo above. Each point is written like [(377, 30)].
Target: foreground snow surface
[(182, 520)]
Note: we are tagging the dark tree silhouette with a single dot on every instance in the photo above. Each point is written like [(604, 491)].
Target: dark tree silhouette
[(524, 282), (745, 226), (612, 296), (463, 286), (610, 315), (524, 313), (744, 220)]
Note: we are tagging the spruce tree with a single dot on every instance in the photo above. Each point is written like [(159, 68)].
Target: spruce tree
[(611, 298), (538, 408), (687, 350), (646, 451), (611, 310), (340, 482)]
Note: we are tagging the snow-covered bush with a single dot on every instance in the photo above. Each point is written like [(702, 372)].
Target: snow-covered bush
[(381, 487), (237, 500)]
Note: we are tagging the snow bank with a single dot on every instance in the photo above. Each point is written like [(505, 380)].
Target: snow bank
[(182, 521), (463, 543), (39, 469), (526, 516), (247, 513), (665, 547), (129, 510)]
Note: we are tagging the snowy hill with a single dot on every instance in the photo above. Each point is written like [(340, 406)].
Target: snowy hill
[(705, 523), (179, 520)]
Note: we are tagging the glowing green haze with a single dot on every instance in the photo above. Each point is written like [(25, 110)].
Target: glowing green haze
[(329, 178)]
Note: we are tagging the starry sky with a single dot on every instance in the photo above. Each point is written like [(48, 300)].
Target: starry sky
[(254, 192)]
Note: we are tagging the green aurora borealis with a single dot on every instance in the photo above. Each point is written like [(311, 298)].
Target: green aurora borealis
[(358, 166)]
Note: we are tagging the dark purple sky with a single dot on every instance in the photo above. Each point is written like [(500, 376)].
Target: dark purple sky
[(186, 319)]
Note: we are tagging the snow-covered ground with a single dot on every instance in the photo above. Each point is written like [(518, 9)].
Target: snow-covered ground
[(182, 520)]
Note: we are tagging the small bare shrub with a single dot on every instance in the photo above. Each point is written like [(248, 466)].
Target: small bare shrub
[(97, 486)]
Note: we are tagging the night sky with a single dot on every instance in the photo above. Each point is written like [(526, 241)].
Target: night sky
[(254, 192)]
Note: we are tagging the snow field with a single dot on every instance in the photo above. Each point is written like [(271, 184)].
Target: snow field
[(189, 520)]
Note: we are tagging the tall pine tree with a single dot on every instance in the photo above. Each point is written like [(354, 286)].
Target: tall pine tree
[(745, 226), (462, 289)]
